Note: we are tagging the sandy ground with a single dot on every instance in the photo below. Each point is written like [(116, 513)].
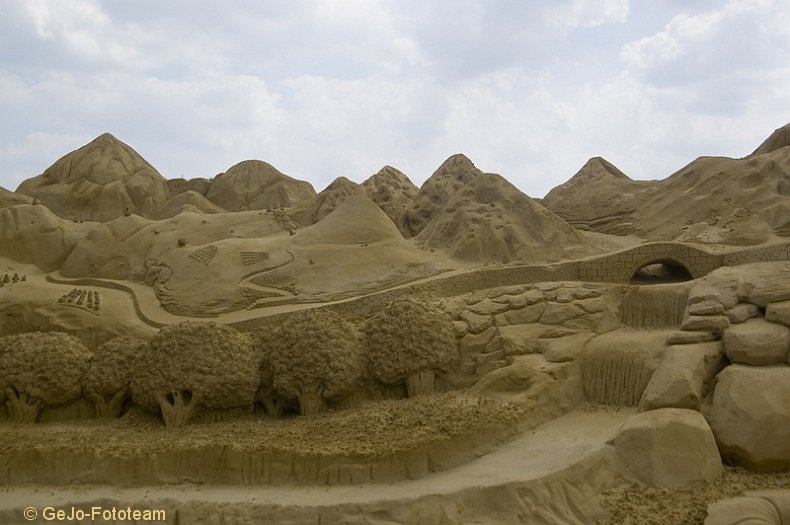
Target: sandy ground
[(631, 504)]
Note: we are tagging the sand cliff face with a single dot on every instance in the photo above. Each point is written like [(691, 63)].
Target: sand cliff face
[(99, 181)]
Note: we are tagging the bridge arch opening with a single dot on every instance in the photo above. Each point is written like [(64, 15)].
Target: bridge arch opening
[(661, 271)]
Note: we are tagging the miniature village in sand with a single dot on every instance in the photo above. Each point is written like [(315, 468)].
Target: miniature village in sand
[(244, 349)]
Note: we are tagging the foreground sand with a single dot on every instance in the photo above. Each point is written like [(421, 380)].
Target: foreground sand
[(631, 504)]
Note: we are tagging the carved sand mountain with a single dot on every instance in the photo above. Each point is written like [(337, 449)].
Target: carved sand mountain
[(454, 173), (9, 198), (780, 138), (719, 199), (356, 220), (711, 200), (490, 220), (393, 192), (198, 185), (99, 181), (189, 200), (313, 210), (256, 185), (599, 197)]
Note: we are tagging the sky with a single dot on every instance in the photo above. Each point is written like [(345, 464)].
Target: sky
[(327, 88)]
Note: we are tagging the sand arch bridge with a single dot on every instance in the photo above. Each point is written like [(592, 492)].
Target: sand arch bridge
[(620, 267)]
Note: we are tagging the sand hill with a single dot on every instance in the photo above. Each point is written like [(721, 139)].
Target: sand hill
[(256, 185), (356, 220), (314, 209), (711, 200), (198, 185), (393, 192), (490, 220), (780, 138), (99, 181), (454, 173), (33, 234), (190, 201), (599, 197), (9, 198)]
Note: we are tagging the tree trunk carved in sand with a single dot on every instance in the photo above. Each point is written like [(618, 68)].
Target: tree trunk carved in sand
[(177, 408), (420, 383), (109, 406), (310, 403), (21, 407)]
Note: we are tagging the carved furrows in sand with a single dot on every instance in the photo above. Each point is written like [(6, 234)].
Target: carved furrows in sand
[(80, 297), (204, 255), (248, 258)]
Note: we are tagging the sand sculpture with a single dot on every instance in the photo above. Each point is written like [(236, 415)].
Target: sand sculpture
[(454, 353)]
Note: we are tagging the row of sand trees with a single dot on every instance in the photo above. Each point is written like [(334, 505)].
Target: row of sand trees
[(310, 359)]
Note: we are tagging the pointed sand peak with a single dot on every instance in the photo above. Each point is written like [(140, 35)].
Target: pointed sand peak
[(780, 138)]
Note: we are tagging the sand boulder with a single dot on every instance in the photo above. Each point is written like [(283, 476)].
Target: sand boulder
[(757, 342), (669, 448), (750, 416), (683, 377)]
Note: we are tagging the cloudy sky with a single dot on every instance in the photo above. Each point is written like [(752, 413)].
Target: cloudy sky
[(329, 88)]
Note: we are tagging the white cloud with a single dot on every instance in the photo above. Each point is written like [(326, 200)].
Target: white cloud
[(324, 89), (588, 13)]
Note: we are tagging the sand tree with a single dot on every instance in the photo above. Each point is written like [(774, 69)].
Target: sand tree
[(40, 369), (109, 372), (272, 401), (195, 364), (410, 340), (315, 355)]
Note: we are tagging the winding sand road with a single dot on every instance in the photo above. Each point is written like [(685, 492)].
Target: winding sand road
[(551, 474)]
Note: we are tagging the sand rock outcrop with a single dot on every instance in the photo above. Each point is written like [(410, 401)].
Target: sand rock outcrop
[(684, 377), (750, 416), (762, 507), (99, 181), (669, 448), (393, 192), (757, 342), (256, 185)]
